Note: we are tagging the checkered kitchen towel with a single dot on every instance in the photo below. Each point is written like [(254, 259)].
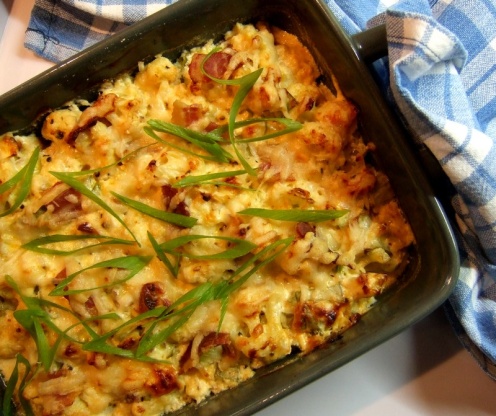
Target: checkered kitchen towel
[(60, 28), (441, 73)]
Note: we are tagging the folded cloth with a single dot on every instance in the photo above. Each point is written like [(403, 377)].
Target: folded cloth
[(442, 78), (440, 75), (60, 28)]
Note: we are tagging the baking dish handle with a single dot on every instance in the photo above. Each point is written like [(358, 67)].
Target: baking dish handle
[(371, 44)]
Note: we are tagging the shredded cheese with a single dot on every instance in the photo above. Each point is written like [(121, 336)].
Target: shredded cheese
[(322, 280)]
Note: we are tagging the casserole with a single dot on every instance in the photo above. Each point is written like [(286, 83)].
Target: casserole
[(399, 168)]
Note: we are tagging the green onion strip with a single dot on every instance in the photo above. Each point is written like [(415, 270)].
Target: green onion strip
[(295, 215), (23, 179)]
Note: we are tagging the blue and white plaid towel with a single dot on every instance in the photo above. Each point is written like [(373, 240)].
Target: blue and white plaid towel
[(441, 74)]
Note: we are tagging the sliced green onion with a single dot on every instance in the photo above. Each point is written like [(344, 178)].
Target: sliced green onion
[(118, 162), (185, 306), (232, 285), (100, 344), (290, 127), (207, 142), (148, 130), (245, 84), (241, 247), (172, 218), (23, 178), (297, 215), (68, 178), (134, 264), (193, 299), (36, 244), (201, 179), (173, 268), (38, 305), (8, 408)]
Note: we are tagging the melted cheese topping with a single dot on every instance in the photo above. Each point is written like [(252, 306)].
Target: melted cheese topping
[(327, 277)]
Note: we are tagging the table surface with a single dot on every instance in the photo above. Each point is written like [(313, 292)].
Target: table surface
[(422, 371)]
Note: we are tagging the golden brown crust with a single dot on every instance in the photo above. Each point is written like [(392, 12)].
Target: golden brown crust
[(326, 276)]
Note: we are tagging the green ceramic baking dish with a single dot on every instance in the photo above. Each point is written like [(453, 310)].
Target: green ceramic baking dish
[(433, 270)]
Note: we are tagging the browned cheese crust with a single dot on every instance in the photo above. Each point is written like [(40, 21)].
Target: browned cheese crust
[(318, 278)]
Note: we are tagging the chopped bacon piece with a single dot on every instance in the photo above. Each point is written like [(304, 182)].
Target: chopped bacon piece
[(215, 66), (301, 193), (96, 359), (302, 228), (182, 209), (185, 358), (86, 228), (163, 380), (71, 350), (214, 339), (151, 296), (128, 343), (60, 276), (211, 126), (168, 193), (90, 306), (68, 201), (184, 114)]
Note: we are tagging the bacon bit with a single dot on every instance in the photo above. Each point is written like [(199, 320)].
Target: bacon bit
[(96, 359), (163, 381), (86, 228), (151, 296), (211, 126), (310, 102), (131, 398), (257, 331), (302, 228), (128, 343), (60, 276), (168, 192), (182, 209), (152, 165), (301, 193), (215, 66), (231, 180), (355, 318), (185, 358), (214, 339), (102, 107), (90, 306), (185, 115), (67, 201), (71, 350)]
